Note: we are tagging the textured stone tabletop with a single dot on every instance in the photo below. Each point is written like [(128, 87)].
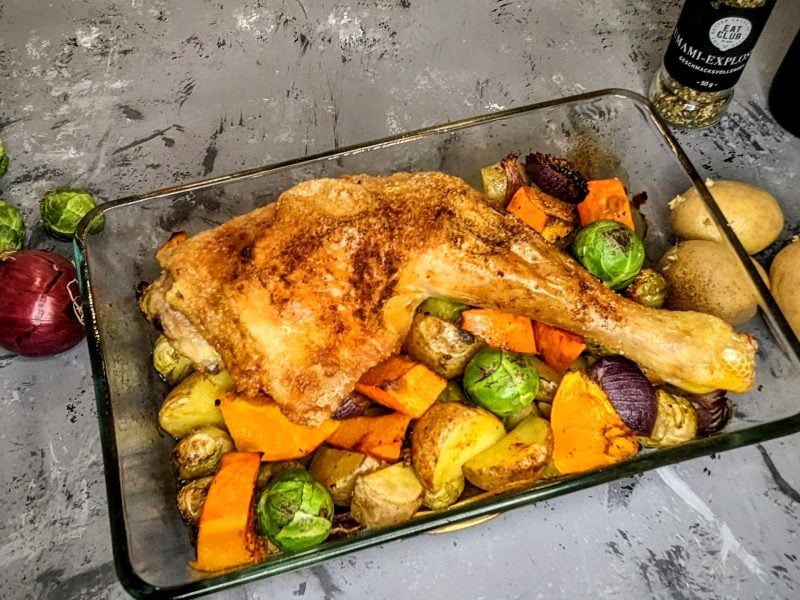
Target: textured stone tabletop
[(128, 96)]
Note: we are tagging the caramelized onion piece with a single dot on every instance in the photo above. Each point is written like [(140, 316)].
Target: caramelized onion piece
[(353, 405), (556, 176), (713, 411), (514, 179)]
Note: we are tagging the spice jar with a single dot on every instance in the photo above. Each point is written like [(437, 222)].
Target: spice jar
[(707, 53)]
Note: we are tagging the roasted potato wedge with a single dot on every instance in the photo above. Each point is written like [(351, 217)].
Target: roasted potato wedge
[(440, 345), (338, 470), (446, 495), (193, 403), (447, 436), (386, 497), (518, 457)]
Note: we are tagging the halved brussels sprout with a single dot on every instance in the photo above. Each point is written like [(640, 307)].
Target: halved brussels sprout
[(192, 497), (12, 228), (193, 403), (199, 453), (295, 512), (170, 364)]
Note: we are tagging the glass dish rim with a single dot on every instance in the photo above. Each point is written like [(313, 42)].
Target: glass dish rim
[(461, 516)]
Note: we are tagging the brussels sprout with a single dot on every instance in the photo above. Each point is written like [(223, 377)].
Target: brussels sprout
[(501, 381), (194, 403), (610, 251), (676, 421), (191, 498), (295, 512), (12, 229), (442, 308), (3, 159), (198, 454), (170, 364), (63, 208), (649, 288)]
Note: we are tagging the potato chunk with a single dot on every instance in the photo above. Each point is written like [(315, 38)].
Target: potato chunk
[(386, 497), (518, 457), (753, 213), (446, 437), (338, 470), (784, 277), (440, 345)]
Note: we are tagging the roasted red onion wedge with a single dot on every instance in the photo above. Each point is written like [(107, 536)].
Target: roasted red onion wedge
[(628, 390)]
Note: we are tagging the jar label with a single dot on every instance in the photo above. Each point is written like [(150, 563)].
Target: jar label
[(712, 42)]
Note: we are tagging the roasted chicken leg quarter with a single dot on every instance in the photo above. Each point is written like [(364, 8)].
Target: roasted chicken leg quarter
[(299, 298)]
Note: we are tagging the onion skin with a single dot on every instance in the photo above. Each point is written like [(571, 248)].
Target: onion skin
[(37, 311), (628, 390)]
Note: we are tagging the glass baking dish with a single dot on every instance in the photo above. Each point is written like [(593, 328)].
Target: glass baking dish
[(609, 133)]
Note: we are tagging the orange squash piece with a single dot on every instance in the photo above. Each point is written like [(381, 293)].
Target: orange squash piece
[(500, 329), (257, 424), (606, 200), (381, 437), (402, 385), (524, 206), (553, 218), (226, 536), (587, 431), (558, 347)]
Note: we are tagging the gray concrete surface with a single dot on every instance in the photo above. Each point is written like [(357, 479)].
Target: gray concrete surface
[(127, 96)]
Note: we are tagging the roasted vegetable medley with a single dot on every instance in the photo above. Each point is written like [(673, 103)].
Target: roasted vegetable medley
[(479, 401)]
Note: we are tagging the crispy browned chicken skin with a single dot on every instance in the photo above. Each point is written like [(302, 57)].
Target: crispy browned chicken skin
[(301, 297)]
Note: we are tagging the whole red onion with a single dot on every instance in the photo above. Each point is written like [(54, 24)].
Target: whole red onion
[(39, 310)]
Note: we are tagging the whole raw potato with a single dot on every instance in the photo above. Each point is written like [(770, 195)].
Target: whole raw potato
[(753, 213), (706, 277), (784, 276)]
